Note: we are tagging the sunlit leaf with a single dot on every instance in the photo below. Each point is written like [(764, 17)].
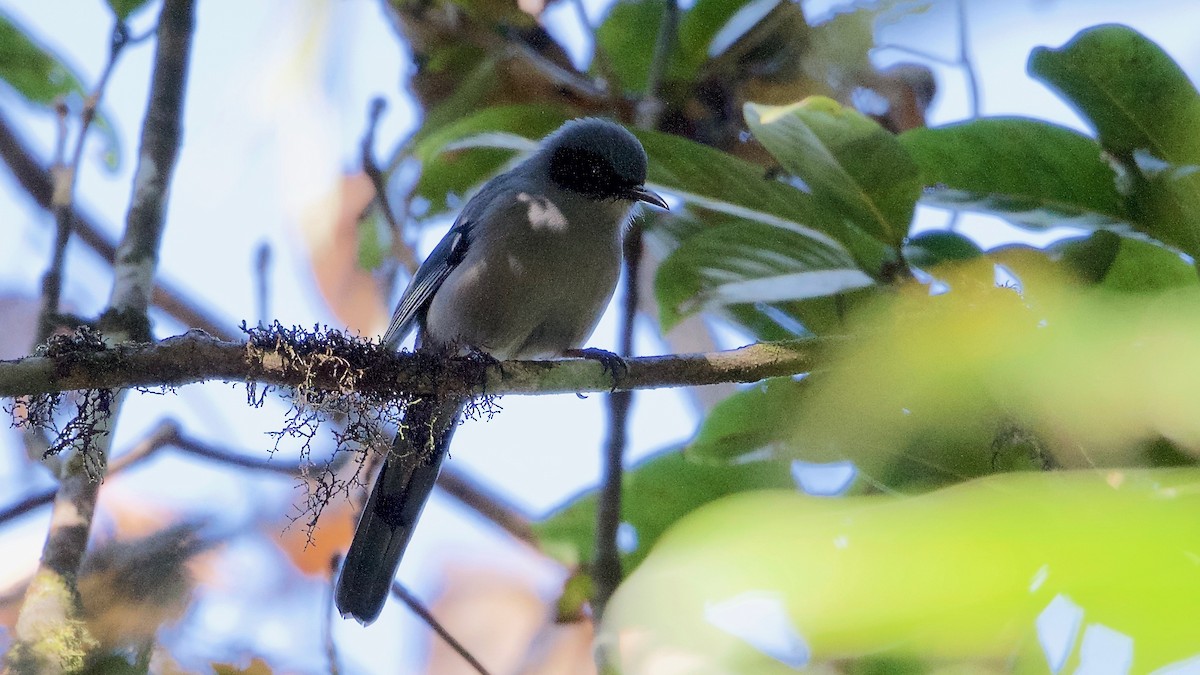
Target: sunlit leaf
[(1145, 112), (748, 262), (771, 582), (658, 492), (1089, 374), (847, 162), (1033, 173)]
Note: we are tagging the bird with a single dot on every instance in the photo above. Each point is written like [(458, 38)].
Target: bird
[(524, 272)]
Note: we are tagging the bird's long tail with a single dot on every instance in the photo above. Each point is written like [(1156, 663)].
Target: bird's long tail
[(400, 492)]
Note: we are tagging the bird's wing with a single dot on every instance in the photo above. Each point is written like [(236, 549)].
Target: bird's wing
[(446, 256)]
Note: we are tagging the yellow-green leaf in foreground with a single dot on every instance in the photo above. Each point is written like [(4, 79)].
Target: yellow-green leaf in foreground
[(1031, 570)]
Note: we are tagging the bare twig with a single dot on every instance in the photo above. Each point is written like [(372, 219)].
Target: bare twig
[(650, 108), (64, 177), (49, 634), (331, 655), (196, 357), (490, 506), (262, 273), (39, 184), (419, 609), (964, 60)]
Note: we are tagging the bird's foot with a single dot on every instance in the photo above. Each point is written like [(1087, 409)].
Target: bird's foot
[(613, 364)]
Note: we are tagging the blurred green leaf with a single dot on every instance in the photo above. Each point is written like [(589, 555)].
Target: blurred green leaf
[(36, 73), (627, 38), (1126, 264), (1146, 113), (957, 576), (748, 262), (851, 166), (372, 241), (751, 422), (1033, 173), (697, 28), (123, 9), (39, 76), (658, 491), (941, 246)]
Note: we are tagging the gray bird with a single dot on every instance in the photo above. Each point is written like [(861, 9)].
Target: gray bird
[(525, 272)]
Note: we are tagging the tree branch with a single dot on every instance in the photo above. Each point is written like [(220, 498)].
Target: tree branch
[(50, 635), (196, 357)]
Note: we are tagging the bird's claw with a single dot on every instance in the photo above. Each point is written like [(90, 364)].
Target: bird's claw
[(613, 364)]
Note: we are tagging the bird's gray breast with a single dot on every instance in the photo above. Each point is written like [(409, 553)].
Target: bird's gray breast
[(539, 271)]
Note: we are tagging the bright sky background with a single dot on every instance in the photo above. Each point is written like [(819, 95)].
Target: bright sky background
[(275, 109)]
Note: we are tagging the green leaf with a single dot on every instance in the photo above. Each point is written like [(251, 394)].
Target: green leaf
[(658, 492), (1146, 113), (123, 9), (749, 262), (458, 156), (697, 28), (955, 578), (627, 39), (941, 246), (42, 78), (372, 241), (1033, 173), (35, 72), (753, 421), (1126, 264), (853, 167), (719, 182)]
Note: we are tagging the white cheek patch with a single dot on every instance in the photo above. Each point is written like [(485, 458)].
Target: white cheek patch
[(543, 214)]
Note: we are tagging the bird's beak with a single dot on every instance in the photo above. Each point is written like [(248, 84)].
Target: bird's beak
[(641, 194)]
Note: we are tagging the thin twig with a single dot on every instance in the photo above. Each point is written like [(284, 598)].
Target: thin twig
[(379, 179), (606, 563), (419, 609), (331, 655), (490, 506), (64, 177), (651, 107), (31, 174), (964, 60), (262, 274)]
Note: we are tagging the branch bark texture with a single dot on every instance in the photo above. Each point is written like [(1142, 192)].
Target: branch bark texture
[(197, 357)]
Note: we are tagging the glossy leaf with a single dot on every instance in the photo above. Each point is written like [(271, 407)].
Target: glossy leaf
[(748, 262), (772, 582), (719, 182), (1145, 112), (850, 165), (657, 492), (1033, 173)]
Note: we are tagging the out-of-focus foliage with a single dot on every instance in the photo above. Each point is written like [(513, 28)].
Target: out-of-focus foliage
[(44, 79), (994, 574)]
